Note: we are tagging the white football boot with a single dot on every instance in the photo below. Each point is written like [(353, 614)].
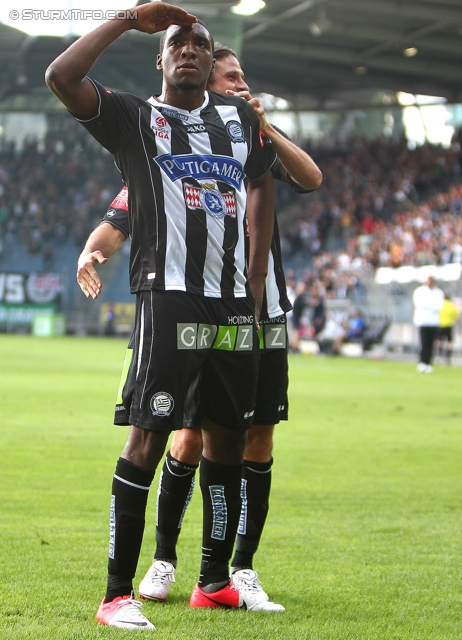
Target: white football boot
[(156, 583), (253, 596)]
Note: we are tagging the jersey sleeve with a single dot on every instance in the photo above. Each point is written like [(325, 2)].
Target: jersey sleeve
[(117, 213), (114, 120), (262, 156)]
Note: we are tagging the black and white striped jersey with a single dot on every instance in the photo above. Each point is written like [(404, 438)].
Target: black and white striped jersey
[(275, 300), (185, 173)]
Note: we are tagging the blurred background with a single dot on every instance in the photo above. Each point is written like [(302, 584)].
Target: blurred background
[(373, 92)]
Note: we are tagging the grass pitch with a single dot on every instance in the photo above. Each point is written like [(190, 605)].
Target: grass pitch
[(363, 540)]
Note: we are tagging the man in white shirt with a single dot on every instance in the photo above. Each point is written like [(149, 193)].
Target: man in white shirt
[(428, 300)]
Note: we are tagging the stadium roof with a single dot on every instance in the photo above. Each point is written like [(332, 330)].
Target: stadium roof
[(318, 54)]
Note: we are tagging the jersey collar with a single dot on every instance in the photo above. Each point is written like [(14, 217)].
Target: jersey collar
[(162, 105)]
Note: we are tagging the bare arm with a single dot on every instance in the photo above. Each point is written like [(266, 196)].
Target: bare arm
[(298, 164), (260, 215), (66, 76), (102, 243)]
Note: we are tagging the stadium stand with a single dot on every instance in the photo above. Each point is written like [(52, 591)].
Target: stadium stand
[(365, 184), (381, 205), (54, 191)]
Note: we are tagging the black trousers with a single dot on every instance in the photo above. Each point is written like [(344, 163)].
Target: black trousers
[(428, 336)]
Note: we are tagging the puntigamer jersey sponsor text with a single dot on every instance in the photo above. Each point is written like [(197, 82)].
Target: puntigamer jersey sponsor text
[(185, 172)]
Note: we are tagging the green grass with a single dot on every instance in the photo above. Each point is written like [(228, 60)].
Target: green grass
[(364, 534)]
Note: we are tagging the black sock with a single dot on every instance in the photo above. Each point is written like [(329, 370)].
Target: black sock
[(255, 491), (176, 487), (130, 488), (220, 486)]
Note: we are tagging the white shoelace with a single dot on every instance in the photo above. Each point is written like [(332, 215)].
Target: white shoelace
[(131, 611), (161, 578), (252, 585)]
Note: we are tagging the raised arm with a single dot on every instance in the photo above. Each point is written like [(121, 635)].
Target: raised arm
[(260, 216), (102, 243), (299, 165), (66, 76)]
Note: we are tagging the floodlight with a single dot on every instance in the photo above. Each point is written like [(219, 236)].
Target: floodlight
[(248, 7)]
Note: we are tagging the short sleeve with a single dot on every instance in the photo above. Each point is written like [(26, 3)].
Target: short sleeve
[(117, 213), (113, 120)]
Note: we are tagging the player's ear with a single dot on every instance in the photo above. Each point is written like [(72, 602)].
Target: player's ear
[(212, 70), (159, 61)]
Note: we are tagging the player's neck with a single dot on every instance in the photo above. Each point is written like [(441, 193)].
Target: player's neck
[(186, 99)]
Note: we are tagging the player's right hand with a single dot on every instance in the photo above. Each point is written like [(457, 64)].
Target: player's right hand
[(153, 17), (87, 276)]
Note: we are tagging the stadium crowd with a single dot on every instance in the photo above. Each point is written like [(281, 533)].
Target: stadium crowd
[(380, 204), (54, 190), (365, 183)]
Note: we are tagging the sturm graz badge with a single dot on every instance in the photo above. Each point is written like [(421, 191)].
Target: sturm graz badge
[(213, 202), (162, 404), (235, 131)]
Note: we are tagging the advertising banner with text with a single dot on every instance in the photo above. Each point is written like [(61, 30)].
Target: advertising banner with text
[(26, 295)]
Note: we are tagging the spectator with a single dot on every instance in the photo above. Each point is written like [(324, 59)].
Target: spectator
[(301, 304), (319, 314), (331, 338), (356, 327), (428, 300), (109, 320), (449, 315)]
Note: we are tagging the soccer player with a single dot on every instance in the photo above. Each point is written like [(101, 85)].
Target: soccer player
[(177, 480), (184, 156)]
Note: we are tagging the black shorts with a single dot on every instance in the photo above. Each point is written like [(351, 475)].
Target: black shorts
[(189, 357), (272, 403), (445, 333)]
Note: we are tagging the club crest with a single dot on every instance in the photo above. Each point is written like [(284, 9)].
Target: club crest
[(235, 131)]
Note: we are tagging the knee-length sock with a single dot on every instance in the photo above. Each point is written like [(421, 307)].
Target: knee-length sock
[(221, 495), (176, 487), (130, 488), (255, 491)]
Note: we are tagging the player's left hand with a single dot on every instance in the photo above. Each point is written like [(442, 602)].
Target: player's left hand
[(256, 104)]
